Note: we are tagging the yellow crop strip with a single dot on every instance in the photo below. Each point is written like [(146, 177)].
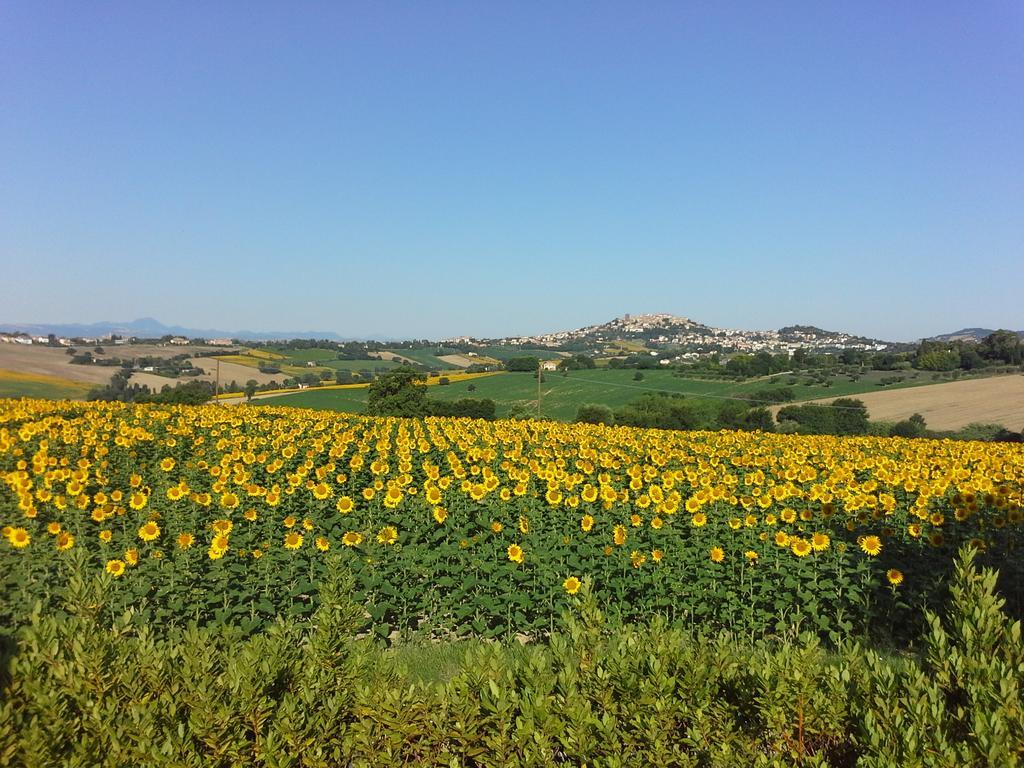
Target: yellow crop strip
[(39, 378), (246, 360)]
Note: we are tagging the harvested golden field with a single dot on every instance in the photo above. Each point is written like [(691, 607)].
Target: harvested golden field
[(154, 381), (50, 361), (995, 400), (234, 372), (457, 361), (392, 356), (130, 351), (56, 362)]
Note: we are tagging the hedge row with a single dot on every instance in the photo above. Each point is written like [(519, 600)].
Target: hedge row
[(78, 692)]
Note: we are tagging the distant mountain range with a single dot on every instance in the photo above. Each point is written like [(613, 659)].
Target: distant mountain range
[(968, 334), (149, 328), (651, 328)]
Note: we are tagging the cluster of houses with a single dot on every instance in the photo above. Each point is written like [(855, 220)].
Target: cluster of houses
[(666, 331), (24, 338)]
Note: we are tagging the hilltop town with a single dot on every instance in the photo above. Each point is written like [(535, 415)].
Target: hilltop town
[(666, 331)]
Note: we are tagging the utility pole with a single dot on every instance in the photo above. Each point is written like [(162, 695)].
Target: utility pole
[(216, 388), (540, 375)]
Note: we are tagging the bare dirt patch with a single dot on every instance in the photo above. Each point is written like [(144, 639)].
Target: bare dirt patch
[(229, 372), (458, 361), (234, 372), (393, 356), (50, 361), (153, 381)]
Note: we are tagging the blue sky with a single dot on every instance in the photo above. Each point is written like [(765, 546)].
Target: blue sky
[(431, 169)]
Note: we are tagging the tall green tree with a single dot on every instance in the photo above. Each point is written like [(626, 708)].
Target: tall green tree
[(1002, 345), (401, 392)]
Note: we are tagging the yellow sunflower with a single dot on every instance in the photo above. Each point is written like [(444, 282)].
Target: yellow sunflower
[(19, 538), (870, 545), (149, 532), (352, 539), (800, 547)]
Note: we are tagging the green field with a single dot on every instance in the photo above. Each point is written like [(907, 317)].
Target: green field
[(359, 365), (428, 357), (43, 390), (563, 395), (507, 353), (15, 384), (300, 356), (346, 400), (295, 361)]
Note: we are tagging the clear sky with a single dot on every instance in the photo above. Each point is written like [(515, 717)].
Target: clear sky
[(426, 169)]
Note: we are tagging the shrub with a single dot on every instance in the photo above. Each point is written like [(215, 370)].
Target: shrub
[(81, 691), (595, 414)]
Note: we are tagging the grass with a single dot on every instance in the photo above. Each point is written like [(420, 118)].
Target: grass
[(563, 395), (428, 356), (246, 360), (432, 662), (18, 384), (345, 400), (627, 347), (316, 354), (360, 365), (507, 353), (265, 355)]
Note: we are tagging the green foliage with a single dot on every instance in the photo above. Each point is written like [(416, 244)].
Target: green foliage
[(466, 407), (576, 363), (1002, 346), (563, 396), (961, 704), (79, 690), (400, 392), (659, 411), (761, 364), (594, 413), (773, 395), (845, 416), (851, 416), (522, 364), (939, 360), (913, 427)]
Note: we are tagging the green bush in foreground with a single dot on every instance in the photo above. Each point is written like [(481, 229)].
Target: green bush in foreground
[(77, 693)]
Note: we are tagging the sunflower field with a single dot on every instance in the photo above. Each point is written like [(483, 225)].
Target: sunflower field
[(218, 515)]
